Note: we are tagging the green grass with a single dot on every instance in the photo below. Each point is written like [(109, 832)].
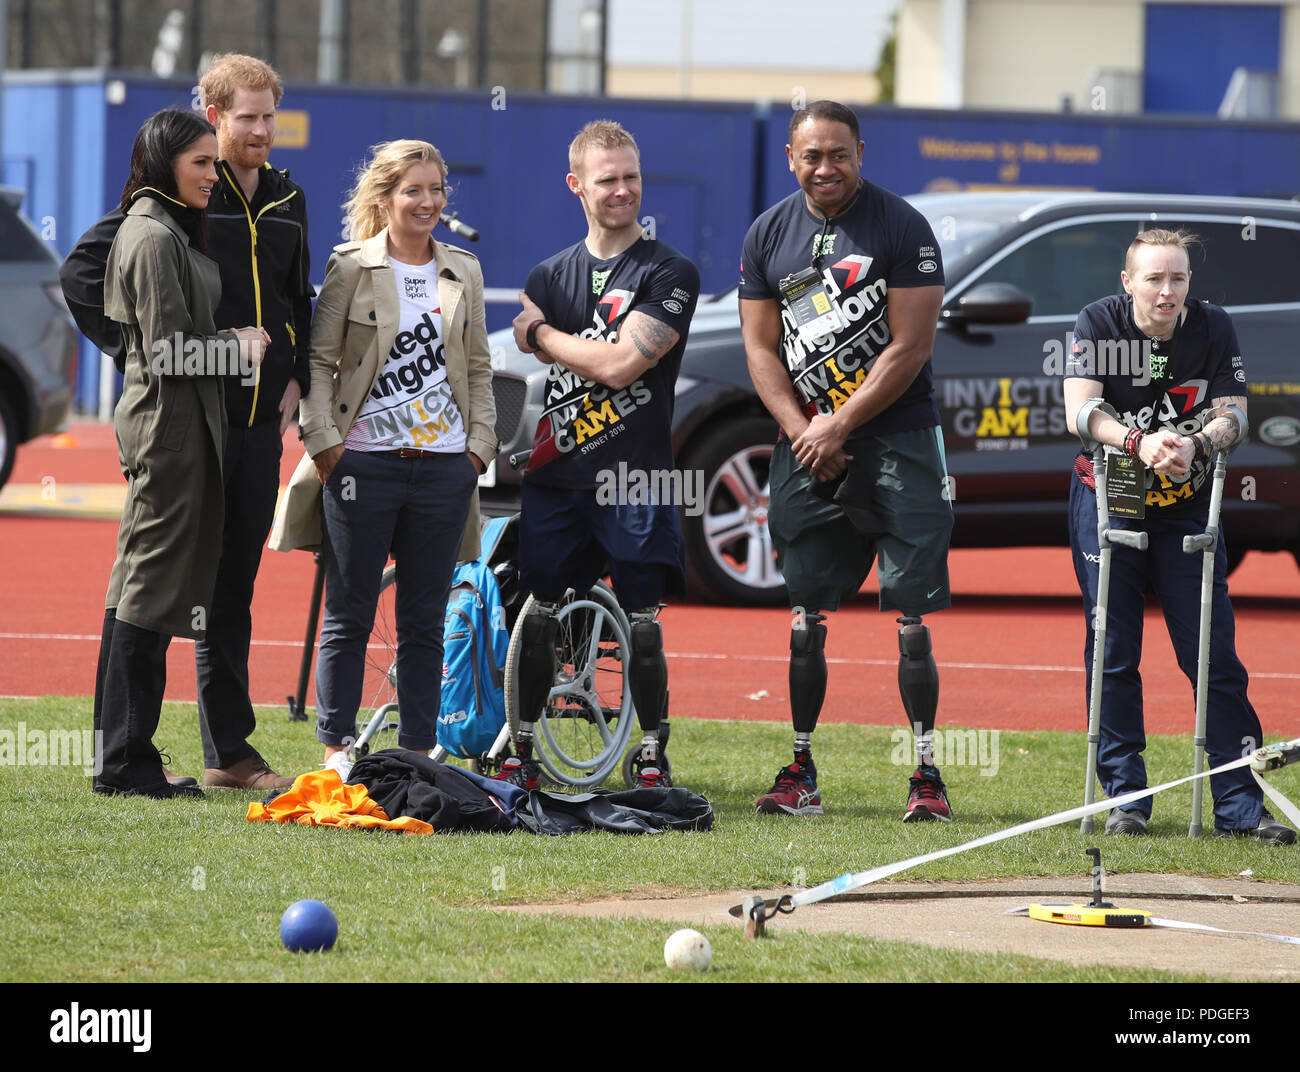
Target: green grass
[(104, 889)]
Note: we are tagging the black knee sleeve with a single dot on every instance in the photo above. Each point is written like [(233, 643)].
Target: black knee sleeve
[(536, 664), (918, 676), (807, 671), (648, 674)]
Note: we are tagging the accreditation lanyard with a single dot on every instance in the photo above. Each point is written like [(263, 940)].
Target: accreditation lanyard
[(804, 295)]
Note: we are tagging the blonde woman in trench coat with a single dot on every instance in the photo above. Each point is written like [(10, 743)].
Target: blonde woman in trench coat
[(398, 425)]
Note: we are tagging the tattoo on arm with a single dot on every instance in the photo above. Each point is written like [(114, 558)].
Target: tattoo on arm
[(1222, 429), (652, 337)]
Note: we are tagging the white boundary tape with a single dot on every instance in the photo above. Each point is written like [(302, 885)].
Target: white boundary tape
[(853, 881)]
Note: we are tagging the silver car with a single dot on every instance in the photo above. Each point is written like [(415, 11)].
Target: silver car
[(38, 344)]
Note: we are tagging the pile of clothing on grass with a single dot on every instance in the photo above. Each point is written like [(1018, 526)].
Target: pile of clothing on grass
[(407, 791)]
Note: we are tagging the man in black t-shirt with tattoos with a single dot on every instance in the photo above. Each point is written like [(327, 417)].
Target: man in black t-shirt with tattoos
[(610, 316), (841, 285)]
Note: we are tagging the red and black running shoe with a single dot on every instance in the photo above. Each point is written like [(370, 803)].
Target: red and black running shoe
[(927, 799), (525, 773), (652, 772), (795, 791)]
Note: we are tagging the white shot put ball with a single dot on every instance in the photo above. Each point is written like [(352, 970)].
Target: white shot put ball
[(688, 950)]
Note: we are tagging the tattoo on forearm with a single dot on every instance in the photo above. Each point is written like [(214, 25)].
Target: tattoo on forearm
[(652, 338), (1223, 429)]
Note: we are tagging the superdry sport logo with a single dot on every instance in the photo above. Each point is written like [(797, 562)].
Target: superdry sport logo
[(599, 279), (824, 245)]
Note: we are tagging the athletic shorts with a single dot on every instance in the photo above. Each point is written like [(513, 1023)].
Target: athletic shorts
[(893, 507), (569, 540)]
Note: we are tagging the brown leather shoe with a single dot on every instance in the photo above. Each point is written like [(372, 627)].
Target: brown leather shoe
[(250, 773)]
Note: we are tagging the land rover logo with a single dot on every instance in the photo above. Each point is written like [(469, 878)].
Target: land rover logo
[(1280, 431)]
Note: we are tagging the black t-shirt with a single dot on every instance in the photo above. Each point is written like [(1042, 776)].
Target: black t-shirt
[(879, 242), (587, 427), (1182, 375)]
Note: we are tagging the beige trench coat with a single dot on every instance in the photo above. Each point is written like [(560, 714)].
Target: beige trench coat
[(171, 428), (353, 330)]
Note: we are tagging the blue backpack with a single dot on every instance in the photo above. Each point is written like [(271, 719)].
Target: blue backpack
[(475, 639)]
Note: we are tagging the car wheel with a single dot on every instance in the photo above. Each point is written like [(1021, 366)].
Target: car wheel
[(8, 439), (729, 555)]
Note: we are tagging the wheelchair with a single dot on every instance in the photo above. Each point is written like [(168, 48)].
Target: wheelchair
[(587, 724)]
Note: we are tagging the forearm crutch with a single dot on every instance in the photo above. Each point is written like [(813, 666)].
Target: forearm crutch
[(1208, 543), (1106, 537)]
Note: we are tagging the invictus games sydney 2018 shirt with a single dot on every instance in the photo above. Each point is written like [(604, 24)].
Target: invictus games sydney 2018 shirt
[(877, 243), (411, 404), (586, 427)]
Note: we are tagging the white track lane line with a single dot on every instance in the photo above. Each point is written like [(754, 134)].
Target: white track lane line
[(1030, 668)]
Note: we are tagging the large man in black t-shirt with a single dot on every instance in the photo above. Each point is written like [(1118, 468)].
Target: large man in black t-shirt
[(610, 316), (841, 285)]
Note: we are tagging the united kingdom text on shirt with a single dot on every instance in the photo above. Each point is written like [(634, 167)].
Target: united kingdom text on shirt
[(411, 404), (1203, 363), (586, 427), (879, 242)]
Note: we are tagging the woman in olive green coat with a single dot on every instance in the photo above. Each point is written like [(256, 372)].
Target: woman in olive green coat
[(171, 429)]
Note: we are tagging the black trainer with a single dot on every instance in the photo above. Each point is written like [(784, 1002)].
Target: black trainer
[(1269, 831), (1126, 822)]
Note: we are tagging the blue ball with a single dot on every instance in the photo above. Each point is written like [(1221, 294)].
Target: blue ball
[(308, 927)]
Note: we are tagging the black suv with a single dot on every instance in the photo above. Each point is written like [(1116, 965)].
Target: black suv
[(39, 345), (1019, 268)]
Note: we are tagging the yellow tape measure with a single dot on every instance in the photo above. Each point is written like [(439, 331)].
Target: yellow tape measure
[(1086, 915)]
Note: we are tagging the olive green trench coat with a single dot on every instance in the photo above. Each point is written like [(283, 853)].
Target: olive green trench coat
[(171, 426)]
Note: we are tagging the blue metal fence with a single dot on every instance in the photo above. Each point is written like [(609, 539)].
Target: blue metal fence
[(709, 167)]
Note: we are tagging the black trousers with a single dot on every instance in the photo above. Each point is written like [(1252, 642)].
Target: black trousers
[(252, 477), (129, 684)]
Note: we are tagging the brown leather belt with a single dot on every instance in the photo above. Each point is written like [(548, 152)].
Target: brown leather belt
[(404, 452)]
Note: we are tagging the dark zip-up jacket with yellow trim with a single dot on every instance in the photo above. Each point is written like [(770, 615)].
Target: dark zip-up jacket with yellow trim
[(265, 282), (262, 251)]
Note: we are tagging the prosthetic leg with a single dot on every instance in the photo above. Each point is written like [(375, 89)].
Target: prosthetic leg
[(918, 685), (648, 680), (795, 790), (918, 682), (536, 674)]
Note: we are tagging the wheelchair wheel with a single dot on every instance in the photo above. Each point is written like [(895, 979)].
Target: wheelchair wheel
[(377, 715), (581, 735)]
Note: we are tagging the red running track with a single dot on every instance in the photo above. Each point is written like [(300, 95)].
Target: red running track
[(1010, 650)]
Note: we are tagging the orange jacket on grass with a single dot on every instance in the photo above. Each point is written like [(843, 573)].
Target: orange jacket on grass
[(321, 798)]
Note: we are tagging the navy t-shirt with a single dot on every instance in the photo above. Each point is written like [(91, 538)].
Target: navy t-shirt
[(879, 242), (1200, 363), (587, 427)]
